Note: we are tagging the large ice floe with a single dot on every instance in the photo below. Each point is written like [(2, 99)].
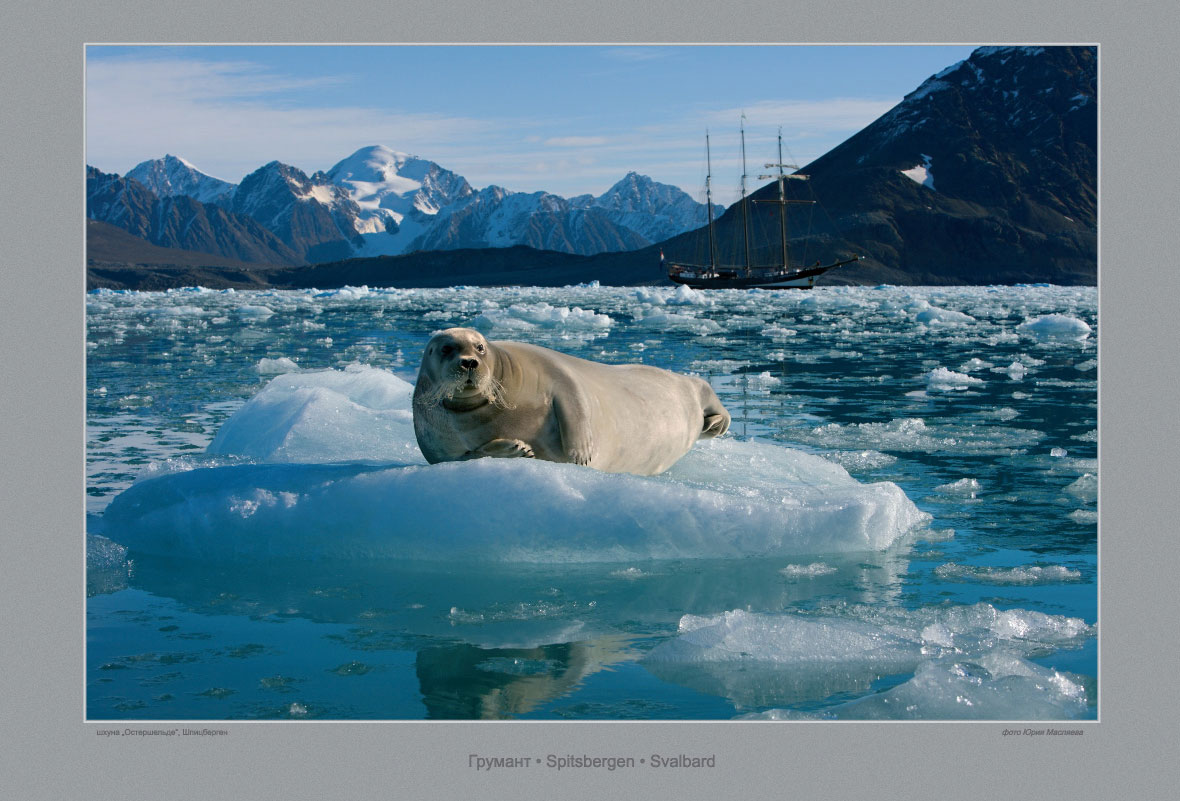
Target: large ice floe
[(966, 661), (325, 464)]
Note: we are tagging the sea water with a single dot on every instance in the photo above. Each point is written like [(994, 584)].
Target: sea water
[(901, 523)]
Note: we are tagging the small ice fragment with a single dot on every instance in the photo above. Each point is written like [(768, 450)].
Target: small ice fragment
[(964, 487), (942, 379), (807, 571)]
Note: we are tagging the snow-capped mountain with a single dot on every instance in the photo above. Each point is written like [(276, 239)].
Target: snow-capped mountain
[(172, 176), (408, 203), (653, 210), (496, 217), (389, 185), (379, 201)]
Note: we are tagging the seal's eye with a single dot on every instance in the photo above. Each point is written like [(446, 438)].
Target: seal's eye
[(447, 350), (479, 347)]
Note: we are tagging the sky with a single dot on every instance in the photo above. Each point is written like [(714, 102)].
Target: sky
[(564, 119)]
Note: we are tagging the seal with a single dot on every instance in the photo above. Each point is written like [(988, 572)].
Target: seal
[(477, 398)]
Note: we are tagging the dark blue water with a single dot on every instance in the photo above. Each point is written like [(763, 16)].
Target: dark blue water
[(987, 423)]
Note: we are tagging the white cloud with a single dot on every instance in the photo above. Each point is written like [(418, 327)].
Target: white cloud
[(575, 141), (835, 115), (230, 118)]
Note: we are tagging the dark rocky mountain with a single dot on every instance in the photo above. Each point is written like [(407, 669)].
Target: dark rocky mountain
[(987, 173), (180, 221), (310, 214)]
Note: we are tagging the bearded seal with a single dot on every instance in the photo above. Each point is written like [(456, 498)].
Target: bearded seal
[(478, 398)]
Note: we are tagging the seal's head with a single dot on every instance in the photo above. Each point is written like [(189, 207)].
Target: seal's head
[(458, 371)]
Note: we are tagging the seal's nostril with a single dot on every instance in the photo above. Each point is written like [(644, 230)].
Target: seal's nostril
[(468, 364)]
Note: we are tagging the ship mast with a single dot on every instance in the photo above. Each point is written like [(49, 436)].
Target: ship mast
[(709, 202), (782, 195), (745, 212)]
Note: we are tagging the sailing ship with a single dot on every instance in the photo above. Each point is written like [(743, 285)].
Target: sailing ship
[(746, 275)]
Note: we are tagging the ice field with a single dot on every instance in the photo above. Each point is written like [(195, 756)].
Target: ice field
[(901, 523)]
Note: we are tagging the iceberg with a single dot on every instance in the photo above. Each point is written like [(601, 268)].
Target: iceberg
[(330, 468), (1060, 327)]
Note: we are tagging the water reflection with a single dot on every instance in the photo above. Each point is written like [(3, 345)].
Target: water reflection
[(488, 642)]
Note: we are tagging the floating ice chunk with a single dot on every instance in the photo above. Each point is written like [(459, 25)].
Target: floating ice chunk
[(1016, 370), (1083, 516), (102, 553), (668, 321), (964, 487), (357, 414), (974, 364), (1025, 574), (653, 297), (807, 571), (528, 316), (778, 332), (994, 686), (943, 380), (763, 380), (251, 312), (629, 573), (685, 295), (345, 293), (1059, 453), (1085, 488), (913, 434), (937, 316), (785, 639), (725, 499), (276, 366), (1056, 327), (888, 637), (860, 460), (1087, 365), (860, 632)]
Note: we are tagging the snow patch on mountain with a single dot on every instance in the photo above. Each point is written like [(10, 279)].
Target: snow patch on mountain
[(921, 173)]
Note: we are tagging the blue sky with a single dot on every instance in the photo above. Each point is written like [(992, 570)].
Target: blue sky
[(564, 119)]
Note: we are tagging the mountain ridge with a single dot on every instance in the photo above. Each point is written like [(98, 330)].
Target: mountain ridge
[(379, 201)]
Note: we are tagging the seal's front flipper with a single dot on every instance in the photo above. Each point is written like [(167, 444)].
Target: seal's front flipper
[(577, 441), (502, 448)]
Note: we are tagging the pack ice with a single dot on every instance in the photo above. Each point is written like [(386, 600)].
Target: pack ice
[(327, 466)]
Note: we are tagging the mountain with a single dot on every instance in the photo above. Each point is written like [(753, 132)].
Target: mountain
[(986, 173), (379, 201), (653, 210), (172, 176), (180, 221), (311, 215), (389, 186), (409, 204), (496, 217)]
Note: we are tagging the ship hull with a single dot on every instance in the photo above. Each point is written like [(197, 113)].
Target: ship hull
[(796, 279)]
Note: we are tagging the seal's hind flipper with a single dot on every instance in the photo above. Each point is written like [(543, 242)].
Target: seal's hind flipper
[(715, 425)]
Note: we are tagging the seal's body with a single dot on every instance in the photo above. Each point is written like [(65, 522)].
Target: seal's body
[(478, 398)]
